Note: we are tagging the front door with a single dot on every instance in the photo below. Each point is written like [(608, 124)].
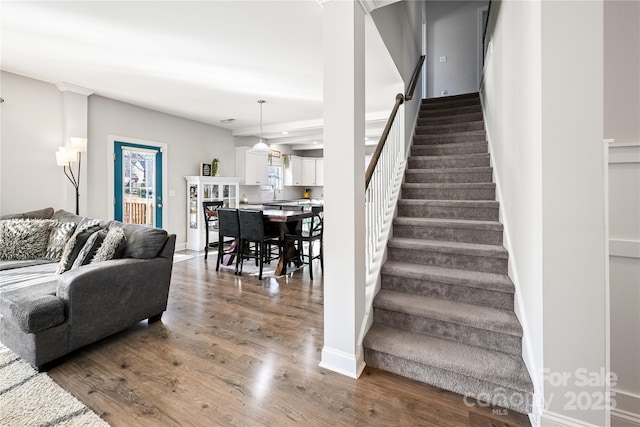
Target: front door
[(138, 184)]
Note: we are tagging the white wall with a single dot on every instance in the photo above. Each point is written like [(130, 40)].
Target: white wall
[(400, 26), (189, 143), (512, 101), (542, 96), (573, 201), (622, 123), (452, 31), (32, 131)]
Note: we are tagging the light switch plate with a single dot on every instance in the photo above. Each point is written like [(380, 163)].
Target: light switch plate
[(172, 193), (443, 59)]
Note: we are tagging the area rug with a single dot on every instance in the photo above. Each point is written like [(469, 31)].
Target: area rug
[(29, 398)]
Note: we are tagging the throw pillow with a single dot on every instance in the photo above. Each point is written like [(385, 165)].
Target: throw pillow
[(112, 247), (23, 239), (60, 233), (76, 243), (89, 249), (45, 213), (64, 216), (142, 242)]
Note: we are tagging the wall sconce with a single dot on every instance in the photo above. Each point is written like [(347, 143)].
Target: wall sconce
[(65, 156)]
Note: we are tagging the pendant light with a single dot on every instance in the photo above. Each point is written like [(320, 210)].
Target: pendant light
[(261, 147)]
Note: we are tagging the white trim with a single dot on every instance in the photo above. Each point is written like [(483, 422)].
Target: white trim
[(624, 153), (341, 362), (181, 247), (627, 407), (110, 173), (68, 87), (624, 248), (612, 144), (480, 47), (552, 419), (607, 285)]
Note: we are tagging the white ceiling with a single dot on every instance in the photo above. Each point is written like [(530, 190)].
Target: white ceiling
[(204, 60)]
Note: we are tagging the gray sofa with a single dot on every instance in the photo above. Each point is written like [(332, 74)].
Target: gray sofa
[(46, 313)]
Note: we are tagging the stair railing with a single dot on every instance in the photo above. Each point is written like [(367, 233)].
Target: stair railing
[(383, 179)]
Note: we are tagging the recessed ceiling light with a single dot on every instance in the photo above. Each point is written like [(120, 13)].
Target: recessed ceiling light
[(366, 138), (284, 132), (315, 142)]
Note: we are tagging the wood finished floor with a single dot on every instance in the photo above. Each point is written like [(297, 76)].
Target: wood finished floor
[(235, 351)]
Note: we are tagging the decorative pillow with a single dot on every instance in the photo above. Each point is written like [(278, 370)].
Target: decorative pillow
[(45, 213), (64, 216), (142, 242), (112, 247), (89, 249), (76, 243), (60, 233), (23, 239)]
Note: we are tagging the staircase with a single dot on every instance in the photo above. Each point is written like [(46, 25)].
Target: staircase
[(444, 314)]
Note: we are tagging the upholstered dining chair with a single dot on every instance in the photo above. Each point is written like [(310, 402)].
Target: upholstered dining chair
[(228, 227), (252, 230), (309, 235), (210, 221)]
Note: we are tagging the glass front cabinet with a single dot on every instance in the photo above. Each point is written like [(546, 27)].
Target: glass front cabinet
[(207, 189)]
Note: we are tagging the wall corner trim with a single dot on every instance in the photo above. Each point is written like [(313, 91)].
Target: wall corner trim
[(69, 87)]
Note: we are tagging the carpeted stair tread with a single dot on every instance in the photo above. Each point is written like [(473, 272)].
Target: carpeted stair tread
[(457, 203), (441, 99), (426, 136), (450, 170), (451, 276), (456, 118), (465, 185), (448, 223), (475, 316), (483, 364), (459, 248), (450, 156), (450, 111)]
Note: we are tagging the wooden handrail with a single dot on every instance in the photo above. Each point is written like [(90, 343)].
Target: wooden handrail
[(414, 80), (383, 140), (400, 98)]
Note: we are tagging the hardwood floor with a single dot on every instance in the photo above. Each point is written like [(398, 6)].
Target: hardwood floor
[(235, 351)]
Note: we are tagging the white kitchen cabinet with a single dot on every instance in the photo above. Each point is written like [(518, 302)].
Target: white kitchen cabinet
[(252, 168), (207, 189), (293, 174), (308, 171), (319, 171)]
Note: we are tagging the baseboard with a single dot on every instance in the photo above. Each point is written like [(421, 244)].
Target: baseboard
[(627, 409), (551, 419), (181, 246), (341, 362)]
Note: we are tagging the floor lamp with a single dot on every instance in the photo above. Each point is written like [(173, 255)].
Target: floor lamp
[(65, 156)]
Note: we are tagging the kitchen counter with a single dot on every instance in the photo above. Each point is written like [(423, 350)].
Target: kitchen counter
[(283, 203)]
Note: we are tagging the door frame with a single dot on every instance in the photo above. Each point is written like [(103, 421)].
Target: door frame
[(111, 139)]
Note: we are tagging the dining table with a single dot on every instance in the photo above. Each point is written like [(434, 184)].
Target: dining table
[(289, 221)]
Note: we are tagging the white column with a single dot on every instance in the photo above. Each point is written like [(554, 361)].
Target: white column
[(75, 117), (344, 235)]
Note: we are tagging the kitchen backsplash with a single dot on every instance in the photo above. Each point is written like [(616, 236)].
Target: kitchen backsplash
[(255, 194)]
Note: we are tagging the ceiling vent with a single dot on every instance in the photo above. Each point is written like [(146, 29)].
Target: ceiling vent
[(227, 121)]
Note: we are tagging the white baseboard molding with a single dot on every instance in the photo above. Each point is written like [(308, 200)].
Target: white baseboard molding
[(181, 246), (627, 409), (552, 419), (624, 248), (341, 362)]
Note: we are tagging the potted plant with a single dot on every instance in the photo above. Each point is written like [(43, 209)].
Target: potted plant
[(214, 166), (285, 160)]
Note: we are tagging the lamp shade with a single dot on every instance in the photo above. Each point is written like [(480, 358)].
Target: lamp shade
[(66, 155), (78, 143), (260, 148)]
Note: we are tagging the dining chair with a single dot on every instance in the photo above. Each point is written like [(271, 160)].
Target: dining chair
[(252, 230), (309, 235), (228, 226), (210, 221)]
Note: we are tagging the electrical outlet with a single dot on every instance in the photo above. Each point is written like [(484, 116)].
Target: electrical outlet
[(444, 92), (443, 59)]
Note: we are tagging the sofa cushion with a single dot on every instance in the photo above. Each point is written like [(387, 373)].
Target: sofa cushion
[(76, 243), (24, 239), (64, 216), (89, 249), (45, 213), (60, 233), (36, 313), (112, 247), (142, 242)]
